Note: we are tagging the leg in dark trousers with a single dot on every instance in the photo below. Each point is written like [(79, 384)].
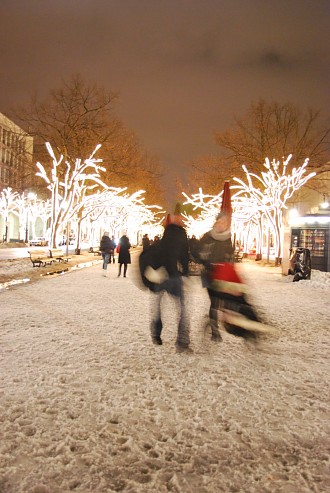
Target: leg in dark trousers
[(173, 287), (119, 272), (125, 269), (215, 303), (156, 325)]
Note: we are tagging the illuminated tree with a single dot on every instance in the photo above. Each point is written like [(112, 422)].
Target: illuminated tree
[(108, 209), (92, 205), (266, 129), (271, 191), (257, 204), (124, 212), (7, 205), (67, 192), (76, 115), (21, 210), (39, 209), (208, 206)]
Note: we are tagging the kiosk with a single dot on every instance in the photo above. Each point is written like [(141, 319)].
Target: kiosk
[(312, 231)]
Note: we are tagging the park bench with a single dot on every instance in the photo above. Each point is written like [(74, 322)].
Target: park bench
[(238, 256), (40, 258), (95, 250), (57, 254)]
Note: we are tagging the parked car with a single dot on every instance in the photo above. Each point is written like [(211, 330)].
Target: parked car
[(39, 241)]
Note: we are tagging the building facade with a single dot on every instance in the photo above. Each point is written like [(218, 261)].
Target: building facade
[(16, 149)]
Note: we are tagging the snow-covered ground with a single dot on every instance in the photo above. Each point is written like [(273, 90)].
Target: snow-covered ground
[(88, 404)]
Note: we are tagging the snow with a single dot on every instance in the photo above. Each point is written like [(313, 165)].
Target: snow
[(88, 404)]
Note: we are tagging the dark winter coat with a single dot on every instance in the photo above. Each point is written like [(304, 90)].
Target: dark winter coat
[(215, 248), (106, 245), (124, 256), (145, 242), (174, 251), (170, 252)]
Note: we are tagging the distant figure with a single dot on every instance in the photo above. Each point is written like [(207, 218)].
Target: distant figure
[(112, 251), (105, 249), (145, 242), (162, 267), (124, 257), (156, 238)]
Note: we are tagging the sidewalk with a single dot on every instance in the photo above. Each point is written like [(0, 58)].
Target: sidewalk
[(88, 404), (16, 269)]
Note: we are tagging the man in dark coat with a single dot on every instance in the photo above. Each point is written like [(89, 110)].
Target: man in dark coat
[(172, 257), (106, 247)]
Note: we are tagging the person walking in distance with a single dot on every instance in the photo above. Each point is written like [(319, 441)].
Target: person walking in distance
[(145, 242), (124, 257), (105, 248), (112, 251)]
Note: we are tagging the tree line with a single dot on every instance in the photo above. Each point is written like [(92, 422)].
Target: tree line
[(74, 118), (267, 130), (77, 115)]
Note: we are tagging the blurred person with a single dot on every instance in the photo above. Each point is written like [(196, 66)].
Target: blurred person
[(124, 257), (226, 290), (105, 249), (162, 267), (215, 247)]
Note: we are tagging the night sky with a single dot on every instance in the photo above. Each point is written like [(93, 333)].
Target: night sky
[(183, 68)]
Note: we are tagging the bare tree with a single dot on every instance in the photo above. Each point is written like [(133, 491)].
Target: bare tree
[(76, 117), (128, 164), (268, 130), (273, 130), (210, 172)]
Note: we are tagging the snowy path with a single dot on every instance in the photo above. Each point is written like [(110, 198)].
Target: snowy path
[(88, 404)]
